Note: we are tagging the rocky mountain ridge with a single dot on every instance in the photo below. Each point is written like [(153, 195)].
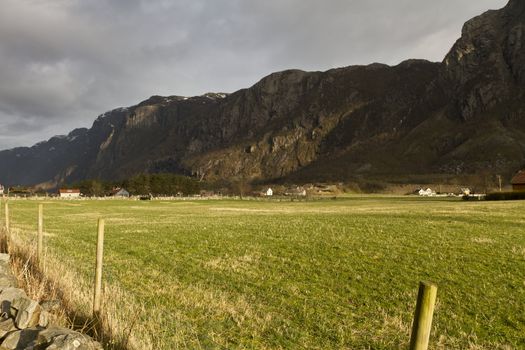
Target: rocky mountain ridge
[(461, 116)]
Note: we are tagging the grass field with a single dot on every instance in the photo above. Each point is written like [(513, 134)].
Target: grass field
[(330, 274)]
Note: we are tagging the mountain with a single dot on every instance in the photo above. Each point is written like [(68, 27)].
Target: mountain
[(465, 115)]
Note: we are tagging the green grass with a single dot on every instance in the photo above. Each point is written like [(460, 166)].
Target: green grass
[(301, 275)]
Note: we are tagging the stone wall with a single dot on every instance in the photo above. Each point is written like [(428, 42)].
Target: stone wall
[(25, 324)]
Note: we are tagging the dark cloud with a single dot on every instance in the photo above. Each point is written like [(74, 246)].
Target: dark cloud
[(63, 62)]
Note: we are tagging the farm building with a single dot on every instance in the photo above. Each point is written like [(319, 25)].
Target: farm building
[(119, 192), (296, 191), (518, 181), (465, 191), (69, 193), (427, 193), (268, 192)]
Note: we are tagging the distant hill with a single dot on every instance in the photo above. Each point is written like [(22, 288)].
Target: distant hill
[(464, 115)]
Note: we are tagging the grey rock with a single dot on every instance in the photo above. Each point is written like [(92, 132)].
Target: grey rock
[(26, 311), (43, 320), (20, 340), (7, 295), (6, 277), (6, 326), (56, 338), (7, 281)]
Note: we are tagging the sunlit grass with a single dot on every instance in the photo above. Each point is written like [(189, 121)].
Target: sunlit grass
[(317, 275)]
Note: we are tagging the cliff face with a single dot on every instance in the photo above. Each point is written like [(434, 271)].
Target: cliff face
[(485, 67), (463, 115)]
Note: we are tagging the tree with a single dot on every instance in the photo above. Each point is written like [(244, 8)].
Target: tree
[(241, 186), (163, 184)]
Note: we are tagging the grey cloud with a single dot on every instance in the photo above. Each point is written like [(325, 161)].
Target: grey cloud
[(63, 62)]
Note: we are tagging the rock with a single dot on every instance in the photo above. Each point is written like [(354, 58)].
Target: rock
[(7, 281), (50, 305), (56, 338), (7, 326), (53, 338), (26, 311), (6, 278), (43, 320), (20, 340), (23, 322), (7, 295)]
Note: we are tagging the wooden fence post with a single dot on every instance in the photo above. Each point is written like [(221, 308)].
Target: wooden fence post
[(426, 300), (6, 215), (40, 232), (97, 298)]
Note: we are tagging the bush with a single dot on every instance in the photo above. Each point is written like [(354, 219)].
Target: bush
[(467, 197), (505, 196)]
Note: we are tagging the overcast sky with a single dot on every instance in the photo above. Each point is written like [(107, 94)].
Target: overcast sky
[(64, 62)]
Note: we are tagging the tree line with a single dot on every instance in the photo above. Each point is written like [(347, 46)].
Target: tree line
[(162, 184)]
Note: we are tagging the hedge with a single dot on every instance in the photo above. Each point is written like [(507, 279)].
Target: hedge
[(505, 196)]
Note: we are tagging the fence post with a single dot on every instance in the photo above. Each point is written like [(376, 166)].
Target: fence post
[(426, 300), (40, 231), (6, 215), (97, 298)]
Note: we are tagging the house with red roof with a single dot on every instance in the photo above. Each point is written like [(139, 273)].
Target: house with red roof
[(69, 193), (518, 181)]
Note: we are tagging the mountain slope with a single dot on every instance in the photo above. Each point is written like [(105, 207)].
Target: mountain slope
[(463, 115)]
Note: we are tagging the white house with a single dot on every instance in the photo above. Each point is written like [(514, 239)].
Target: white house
[(427, 193), (69, 193), (269, 192), (465, 191)]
